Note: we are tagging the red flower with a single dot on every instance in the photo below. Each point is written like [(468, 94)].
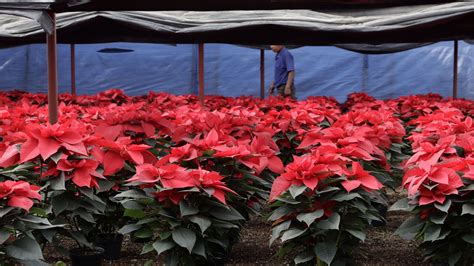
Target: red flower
[(183, 153), (428, 154), (357, 177), (170, 176), (415, 177), (19, 194), (211, 181), (174, 195), (84, 174), (45, 140), (438, 193), (305, 170), (116, 152)]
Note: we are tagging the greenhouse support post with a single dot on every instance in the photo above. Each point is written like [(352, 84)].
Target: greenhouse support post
[(73, 71), (455, 70), (262, 73), (52, 73), (201, 73)]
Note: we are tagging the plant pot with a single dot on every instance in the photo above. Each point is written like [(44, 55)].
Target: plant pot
[(112, 245), (382, 209), (86, 257)]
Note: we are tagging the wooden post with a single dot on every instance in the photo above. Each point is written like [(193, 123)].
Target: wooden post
[(262, 73), (73, 72), (52, 73), (201, 73), (455, 70)]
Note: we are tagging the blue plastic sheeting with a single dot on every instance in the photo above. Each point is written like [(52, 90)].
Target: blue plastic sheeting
[(234, 71)]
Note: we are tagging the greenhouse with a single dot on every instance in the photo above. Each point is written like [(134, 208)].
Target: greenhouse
[(236, 132)]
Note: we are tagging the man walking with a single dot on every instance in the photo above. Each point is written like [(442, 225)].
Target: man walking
[(284, 72)]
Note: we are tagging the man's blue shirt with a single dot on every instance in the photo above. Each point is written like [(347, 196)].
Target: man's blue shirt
[(283, 64)]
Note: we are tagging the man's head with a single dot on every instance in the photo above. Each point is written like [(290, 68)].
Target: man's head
[(276, 48)]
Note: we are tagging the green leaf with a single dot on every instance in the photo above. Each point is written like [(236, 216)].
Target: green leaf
[(292, 233), (343, 196), (226, 214), (185, 238), (202, 221), (432, 233), (146, 221), (358, 234), (410, 228), (25, 248), (133, 213), (276, 231), (147, 248), (132, 193), (5, 211), (199, 249), (454, 258), (460, 151), (58, 183), (309, 218), (280, 212), (326, 251), (187, 209), (4, 235), (144, 233), (127, 229), (469, 238), (38, 211), (468, 208), (438, 218), (400, 205), (332, 223), (304, 257), (81, 238), (161, 246), (60, 203), (86, 216), (445, 207), (295, 191)]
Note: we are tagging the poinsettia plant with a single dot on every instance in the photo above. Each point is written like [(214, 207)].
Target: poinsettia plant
[(322, 205), (24, 225), (439, 178), (184, 212)]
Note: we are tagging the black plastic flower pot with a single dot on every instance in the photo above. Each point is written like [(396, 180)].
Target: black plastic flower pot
[(112, 245), (86, 257), (382, 209)]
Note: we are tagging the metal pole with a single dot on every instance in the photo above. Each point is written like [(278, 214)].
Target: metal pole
[(73, 71), (201, 72), (52, 73), (455, 70), (262, 73)]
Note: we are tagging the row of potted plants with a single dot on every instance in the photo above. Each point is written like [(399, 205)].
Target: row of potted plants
[(184, 178)]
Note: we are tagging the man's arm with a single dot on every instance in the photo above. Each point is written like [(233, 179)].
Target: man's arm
[(272, 88), (289, 83)]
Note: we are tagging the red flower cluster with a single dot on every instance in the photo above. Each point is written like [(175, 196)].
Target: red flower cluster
[(443, 144), (19, 194)]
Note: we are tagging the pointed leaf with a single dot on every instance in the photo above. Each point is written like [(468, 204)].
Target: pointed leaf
[(326, 251), (25, 248), (161, 246), (332, 223), (187, 209), (201, 221), (185, 238), (291, 234), (309, 218), (468, 208)]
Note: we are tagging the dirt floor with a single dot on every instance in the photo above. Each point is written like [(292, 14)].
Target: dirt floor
[(381, 246)]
